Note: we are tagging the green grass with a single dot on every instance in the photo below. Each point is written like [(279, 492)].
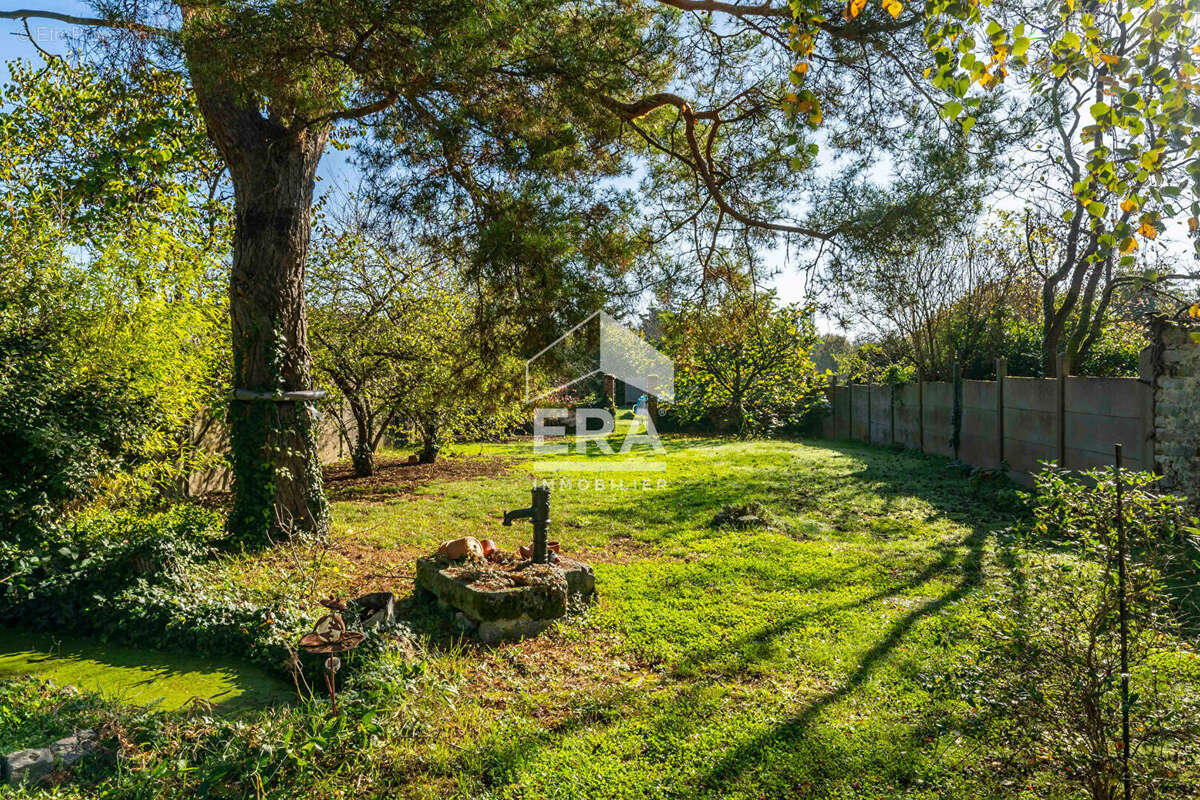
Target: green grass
[(798, 660)]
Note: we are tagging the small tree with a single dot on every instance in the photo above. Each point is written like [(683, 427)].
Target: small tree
[(452, 389), (399, 343), (744, 364), (364, 316)]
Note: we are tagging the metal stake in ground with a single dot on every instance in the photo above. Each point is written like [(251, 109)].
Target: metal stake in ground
[(1123, 607)]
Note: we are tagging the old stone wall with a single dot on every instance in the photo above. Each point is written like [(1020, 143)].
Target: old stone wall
[(1177, 409)]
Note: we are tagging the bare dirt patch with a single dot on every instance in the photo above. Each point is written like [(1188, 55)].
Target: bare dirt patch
[(376, 569), (395, 477)]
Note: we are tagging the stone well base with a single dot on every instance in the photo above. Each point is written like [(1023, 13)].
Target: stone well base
[(511, 613)]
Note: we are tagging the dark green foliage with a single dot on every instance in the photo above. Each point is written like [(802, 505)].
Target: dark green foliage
[(123, 575), (61, 427)]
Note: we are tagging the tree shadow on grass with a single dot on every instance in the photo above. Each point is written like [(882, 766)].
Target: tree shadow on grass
[(873, 484), (786, 735), (772, 750), (501, 761), (714, 660)]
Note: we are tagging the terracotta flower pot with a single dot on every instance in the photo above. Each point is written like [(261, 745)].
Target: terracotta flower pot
[(552, 546), (488, 546), (458, 549)]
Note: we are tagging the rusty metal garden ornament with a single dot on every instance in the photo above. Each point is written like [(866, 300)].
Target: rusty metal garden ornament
[(330, 637)]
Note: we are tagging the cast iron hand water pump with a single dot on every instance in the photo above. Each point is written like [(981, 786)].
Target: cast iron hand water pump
[(539, 512)]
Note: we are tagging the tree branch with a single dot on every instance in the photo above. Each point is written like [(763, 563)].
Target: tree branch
[(24, 14), (643, 106)]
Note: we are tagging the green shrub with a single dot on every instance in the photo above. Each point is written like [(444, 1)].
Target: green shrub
[(1081, 507), (1046, 685), (60, 430), (122, 575)]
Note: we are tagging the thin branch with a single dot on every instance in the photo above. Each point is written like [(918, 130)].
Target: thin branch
[(645, 105), (91, 22)]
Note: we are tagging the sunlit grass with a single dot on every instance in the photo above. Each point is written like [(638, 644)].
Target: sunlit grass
[(785, 661)]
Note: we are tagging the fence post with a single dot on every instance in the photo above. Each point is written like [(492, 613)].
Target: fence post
[(892, 405), (833, 403), (1123, 611), (956, 413), (849, 410), (1060, 423), (1001, 374), (869, 412), (921, 410)]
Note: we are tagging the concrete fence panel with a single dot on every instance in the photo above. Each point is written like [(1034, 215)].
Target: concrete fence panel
[(881, 415), (939, 414), (1030, 431), (978, 439), (859, 406), (1021, 421), (908, 424)]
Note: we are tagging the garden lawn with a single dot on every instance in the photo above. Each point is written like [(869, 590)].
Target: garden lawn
[(800, 659)]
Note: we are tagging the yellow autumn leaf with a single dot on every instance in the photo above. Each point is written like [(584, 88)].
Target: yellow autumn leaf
[(1193, 224), (801, 68), (855, 8), (804, 106), (816, 117), (1194, 311), (790, 97), (893, 7), (1148, 230), (1112, 61), (1128, 246), (1129, 205)]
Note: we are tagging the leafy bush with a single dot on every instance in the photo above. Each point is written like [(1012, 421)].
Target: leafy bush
[(1081, 508), (61, 426), (1047, 684), (122, 575)]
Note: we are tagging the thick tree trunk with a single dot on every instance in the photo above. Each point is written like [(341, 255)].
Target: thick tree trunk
[(1050, 357), (277, 475), (276, 472)]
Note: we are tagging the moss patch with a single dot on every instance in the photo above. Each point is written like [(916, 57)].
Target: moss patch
[(137, 675)]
